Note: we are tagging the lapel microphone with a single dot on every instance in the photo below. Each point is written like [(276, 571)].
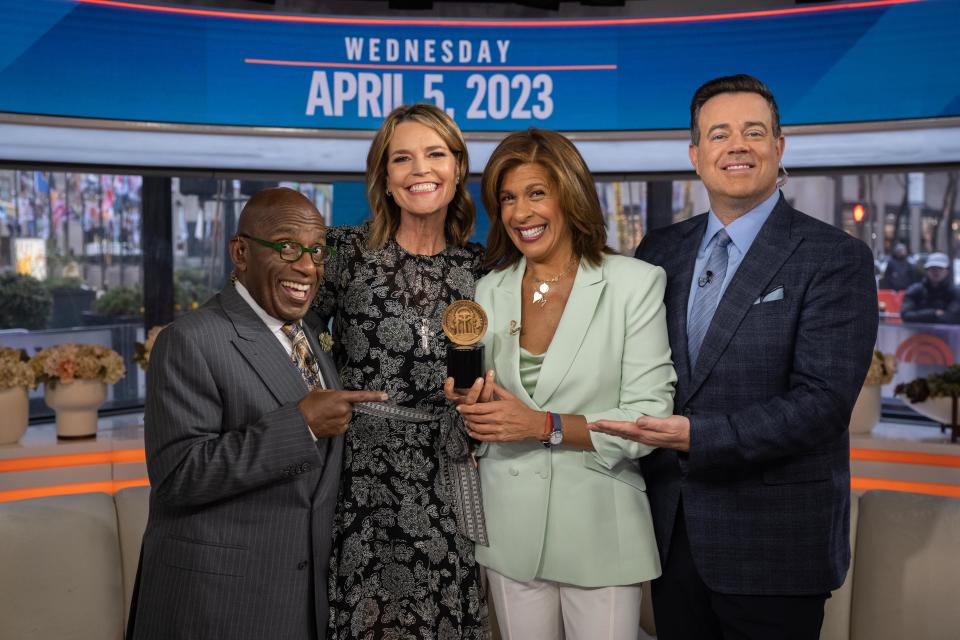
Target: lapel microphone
[(705, 279)]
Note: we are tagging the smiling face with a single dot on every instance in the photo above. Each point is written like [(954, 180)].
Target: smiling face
[(283, 289), (421, 170), (738, 156), (531, 214)]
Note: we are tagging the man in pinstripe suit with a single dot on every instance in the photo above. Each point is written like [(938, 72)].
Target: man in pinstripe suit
[(243, 429), (772, 318)]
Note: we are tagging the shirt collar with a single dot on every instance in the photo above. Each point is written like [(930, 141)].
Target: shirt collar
[(272, 323), (742, 231)]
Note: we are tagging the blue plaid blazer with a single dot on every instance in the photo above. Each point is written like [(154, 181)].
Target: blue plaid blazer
[(765, 486)]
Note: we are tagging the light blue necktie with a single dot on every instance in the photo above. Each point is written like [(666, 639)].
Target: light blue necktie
[(709, 286)]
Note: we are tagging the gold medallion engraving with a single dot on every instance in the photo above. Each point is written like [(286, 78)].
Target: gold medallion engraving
[(464, 322)]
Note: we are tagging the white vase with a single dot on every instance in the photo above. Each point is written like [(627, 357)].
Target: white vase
[(866, 411), (937, 409), (76, 405), (14, 411)]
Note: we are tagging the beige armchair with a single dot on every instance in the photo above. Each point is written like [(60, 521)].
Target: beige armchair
[(68, 563)]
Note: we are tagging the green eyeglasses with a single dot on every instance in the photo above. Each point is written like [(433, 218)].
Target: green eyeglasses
[(291, 251)]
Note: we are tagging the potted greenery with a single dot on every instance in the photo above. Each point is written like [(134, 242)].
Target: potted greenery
[(935, 396), (75, 379), (16, 378), (190, 289), (119, 305), (866, 412), (71, 297), (24, 302)]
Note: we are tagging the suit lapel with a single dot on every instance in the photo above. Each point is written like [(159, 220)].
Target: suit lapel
[(506, 307), (680, 263), (262, 350), (576, 319), (771, 248)]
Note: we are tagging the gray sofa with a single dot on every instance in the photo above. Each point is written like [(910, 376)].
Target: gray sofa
[(67, 566)]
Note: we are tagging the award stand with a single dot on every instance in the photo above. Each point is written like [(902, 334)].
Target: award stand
[(465, 365), (465, 323)]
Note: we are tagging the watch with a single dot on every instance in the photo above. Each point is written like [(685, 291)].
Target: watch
[(556, 434)]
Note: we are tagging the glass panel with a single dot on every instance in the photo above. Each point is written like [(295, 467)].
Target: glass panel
[(70, 257), (624, 206), (75, 240)]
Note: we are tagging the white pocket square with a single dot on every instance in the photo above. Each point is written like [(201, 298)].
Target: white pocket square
[(776, 294)]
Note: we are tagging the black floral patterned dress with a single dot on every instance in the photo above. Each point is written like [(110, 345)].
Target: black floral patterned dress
[(399, 569)]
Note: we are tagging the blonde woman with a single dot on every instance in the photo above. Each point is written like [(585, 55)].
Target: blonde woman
[(400, 567), (576, 334)]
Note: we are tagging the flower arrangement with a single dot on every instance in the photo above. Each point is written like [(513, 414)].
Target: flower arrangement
[(945, 384), (326, 341), (143, 349), (15, 369), (882, 368), (64, 363)]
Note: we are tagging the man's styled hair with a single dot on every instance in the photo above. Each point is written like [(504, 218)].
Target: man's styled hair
[(740, 83)]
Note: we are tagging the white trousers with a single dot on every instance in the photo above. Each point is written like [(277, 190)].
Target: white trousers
[(544, 610)]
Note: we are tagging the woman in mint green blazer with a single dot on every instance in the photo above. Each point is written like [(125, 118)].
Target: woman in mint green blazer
[(575, 334)]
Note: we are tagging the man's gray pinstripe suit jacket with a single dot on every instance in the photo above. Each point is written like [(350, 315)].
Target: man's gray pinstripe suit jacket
[(242, 499)]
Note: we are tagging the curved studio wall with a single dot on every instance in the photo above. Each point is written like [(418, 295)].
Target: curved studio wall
[(119, 83)]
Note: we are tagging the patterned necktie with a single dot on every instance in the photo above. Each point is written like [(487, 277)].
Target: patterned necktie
[(302, 356), (710, 283)]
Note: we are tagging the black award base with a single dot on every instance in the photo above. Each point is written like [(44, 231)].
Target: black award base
[(465, 365)]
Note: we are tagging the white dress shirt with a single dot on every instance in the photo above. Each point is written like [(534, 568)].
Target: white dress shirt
[(276, 328)]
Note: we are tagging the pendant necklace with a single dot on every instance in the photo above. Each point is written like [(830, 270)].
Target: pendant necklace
[(542, 287), (414, 288)]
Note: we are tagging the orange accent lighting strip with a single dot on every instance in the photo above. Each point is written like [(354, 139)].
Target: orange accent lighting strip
[(433, 67), (107, 486), (865, 484), (35, 463), (269, 17), (112, 486), (906, 457)]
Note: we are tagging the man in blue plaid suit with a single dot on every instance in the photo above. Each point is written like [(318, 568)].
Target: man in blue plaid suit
[(772, 317)]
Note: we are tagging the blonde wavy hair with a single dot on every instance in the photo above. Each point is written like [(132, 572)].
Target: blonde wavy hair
[(461, 213)]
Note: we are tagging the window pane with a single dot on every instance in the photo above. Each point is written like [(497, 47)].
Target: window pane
[(70, 258)]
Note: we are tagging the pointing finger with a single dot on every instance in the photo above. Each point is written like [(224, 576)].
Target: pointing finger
[(364, 396)]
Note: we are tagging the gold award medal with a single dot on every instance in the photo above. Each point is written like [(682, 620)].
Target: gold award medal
[(464, 322)]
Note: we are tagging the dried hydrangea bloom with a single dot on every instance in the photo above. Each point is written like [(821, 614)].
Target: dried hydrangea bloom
[(15, 369), (64, 363)]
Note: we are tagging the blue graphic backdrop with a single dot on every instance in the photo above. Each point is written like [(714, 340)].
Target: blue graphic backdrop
[(88, 58)]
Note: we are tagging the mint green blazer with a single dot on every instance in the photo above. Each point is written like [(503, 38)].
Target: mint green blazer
[(563, 514)]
